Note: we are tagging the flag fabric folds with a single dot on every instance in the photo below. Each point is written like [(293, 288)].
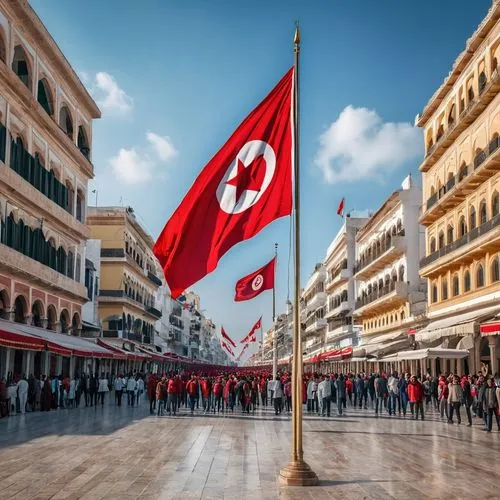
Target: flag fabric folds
[(228, 349), (255, 283), (242, 189), (226, 336), (251, 334), (340, 209)]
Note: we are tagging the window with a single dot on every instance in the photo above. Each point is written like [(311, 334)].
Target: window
[(470, 93), (434, 294), (456, 286), (20, 66), (44, 96), (83, 143), (433, 245), (482, 81), (494, 64), (402, 273), (495, 270), (463, 172), (479, 276), (494, 204), (66, 122), (472, 217), (462, 227), (451, 116), (467, 281), (79, 205), (482, 212), (441, 240), (3, 52), (402, 315), (449, 234)]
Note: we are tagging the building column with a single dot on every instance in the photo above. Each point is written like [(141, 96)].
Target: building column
[(477, 354), (433, 367), (72, 362), (26, 362), (7, 362), (460, 366), (46, 363), (453, 365), (492, 343)]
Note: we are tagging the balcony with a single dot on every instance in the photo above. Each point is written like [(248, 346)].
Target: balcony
[(315, 325), (478, 239), (338, 310), (39, 274), (119, 297), (341, 276), (389, 296), (466, 117), (485, 165), (116, 253), (339, 332), (153, 311), (154, 279), (318, 300), (176, 321), (380, 259)]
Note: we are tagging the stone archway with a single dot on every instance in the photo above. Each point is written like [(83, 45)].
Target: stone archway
[(20, 309), (64, 321), (51, 318), (37, 313), (4, 304)]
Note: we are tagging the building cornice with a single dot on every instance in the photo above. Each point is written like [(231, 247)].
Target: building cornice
[(388, 206)]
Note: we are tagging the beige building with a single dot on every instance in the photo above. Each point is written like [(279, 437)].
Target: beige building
[(391, 298), (314, 303), (45, 163), (129, 274), (461, 185)]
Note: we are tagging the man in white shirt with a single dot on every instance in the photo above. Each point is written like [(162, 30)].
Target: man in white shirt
[(131, 387), (22, 393), (119, 390), (392, 386), (140, 389), (324, 395)]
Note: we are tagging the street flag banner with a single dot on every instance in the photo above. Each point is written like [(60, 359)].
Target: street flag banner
[(251, 333), (228, 349), (226, 336), (243, 188), (255, 283), (340, 209), (245, 347)]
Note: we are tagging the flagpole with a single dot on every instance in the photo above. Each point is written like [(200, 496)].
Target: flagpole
[(297, 472), (275, 339)]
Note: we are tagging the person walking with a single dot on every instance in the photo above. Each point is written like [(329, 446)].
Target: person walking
[(359, 387), (217, 395), (131, 387), (192, 390), (443, 396), (490, 404), (22, 393), (206, 389), (172, 395), (103, 388), (403, 394), (324, 395), (380, 392), (392, 387), (416, 396), (455, 396), (161, 394), (151, 392), (341, 394), (118, 386), (288, 395), (467, 398), (93, 387), (139, 388), (278, 396)]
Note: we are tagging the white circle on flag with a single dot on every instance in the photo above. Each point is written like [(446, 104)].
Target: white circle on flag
[(257, 282), (227, 193)]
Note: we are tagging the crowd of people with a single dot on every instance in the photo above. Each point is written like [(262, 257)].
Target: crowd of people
[(245, 390)]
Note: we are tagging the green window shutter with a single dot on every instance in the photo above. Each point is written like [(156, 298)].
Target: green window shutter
[(3, 141)]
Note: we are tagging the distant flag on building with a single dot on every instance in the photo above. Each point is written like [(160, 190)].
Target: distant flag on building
[(255, 283), (243, 188), (340, 209), (251, 334), (226, 336)]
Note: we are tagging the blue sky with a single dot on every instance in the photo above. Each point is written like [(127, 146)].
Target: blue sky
[(175, 78)]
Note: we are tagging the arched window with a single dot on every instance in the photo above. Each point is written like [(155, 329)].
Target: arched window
[(483, 216), (433, 245), (70, 198), (20, 66), (37, 313), (402, 315), (482, 81), (64, 321), (462, 227), (494, 204), (71, 265), (479, 276), (51, 318), (449, 234), (495, 270), (451, 116), (44, 96), (444, 290), (434, 293), (401, 273), (472, 217), (78, 269), (65, 121), (20, 309), (3, 51), (440, 132), (456, 286), (494, 64), (80, 200), (467, 281), (83, 143), (441, 240)]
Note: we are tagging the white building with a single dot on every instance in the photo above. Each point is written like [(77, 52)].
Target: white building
[(91, 326)]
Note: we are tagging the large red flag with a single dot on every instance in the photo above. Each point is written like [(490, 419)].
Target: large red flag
[(228, 349), (251, 333), (243, 188), (255, 283), (226, 336)]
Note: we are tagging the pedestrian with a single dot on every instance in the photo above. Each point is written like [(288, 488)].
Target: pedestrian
[(455, 397), (341, 394), (22, 393), (172, 395), (206, 389), (151, 392), (392, 387), (380, 392), (131, 388), (93, 387), (217, 395), (72, 392), (403, 394), (324, 395), (102, 389), (139, 388), (278, 396), (192, 391), (415, 396), (490, 404), (287, 390), (118, 385), (443, 396)]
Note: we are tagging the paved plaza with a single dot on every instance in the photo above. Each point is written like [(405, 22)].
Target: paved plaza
[(110, 452)]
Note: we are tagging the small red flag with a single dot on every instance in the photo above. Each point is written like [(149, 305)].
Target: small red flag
[(255, 283), (228, 349), (243, 188), (340, 209), (255, 327), (226, 336)]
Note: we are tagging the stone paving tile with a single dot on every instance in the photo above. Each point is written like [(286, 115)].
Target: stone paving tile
[(124, 453)]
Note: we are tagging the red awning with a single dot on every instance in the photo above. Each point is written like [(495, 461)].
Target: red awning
[(16, 340), (489, 329), (134, 356), (329, 355)]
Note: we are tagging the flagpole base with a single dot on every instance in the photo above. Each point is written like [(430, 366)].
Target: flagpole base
[(298, 473)]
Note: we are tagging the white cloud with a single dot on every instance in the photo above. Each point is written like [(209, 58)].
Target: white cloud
[(131, 167), (110, 97), (163, 146), (359, 145)]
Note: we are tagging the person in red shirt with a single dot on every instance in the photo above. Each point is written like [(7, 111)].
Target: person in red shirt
[(161, 390), (151, 390), (172, 394), (443, 396), (349, 387), (206, 389), (217, 395), (192, 389), (416, 397)]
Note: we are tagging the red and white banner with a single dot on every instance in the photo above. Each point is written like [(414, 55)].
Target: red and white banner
[(226, 336), (228, 349), (255, 283), (340, 209), (243, 188), (251, 334), (245, 347)]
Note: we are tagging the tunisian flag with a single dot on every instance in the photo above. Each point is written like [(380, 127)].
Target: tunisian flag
[(243, 188), (251, 334), (228, 349), (340, 209), (226, 336), (255, 283)]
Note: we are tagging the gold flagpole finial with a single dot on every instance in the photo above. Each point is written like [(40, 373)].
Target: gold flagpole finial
[(296, 38)]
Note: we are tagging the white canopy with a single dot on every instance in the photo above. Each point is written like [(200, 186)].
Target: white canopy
[(432, 353)]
